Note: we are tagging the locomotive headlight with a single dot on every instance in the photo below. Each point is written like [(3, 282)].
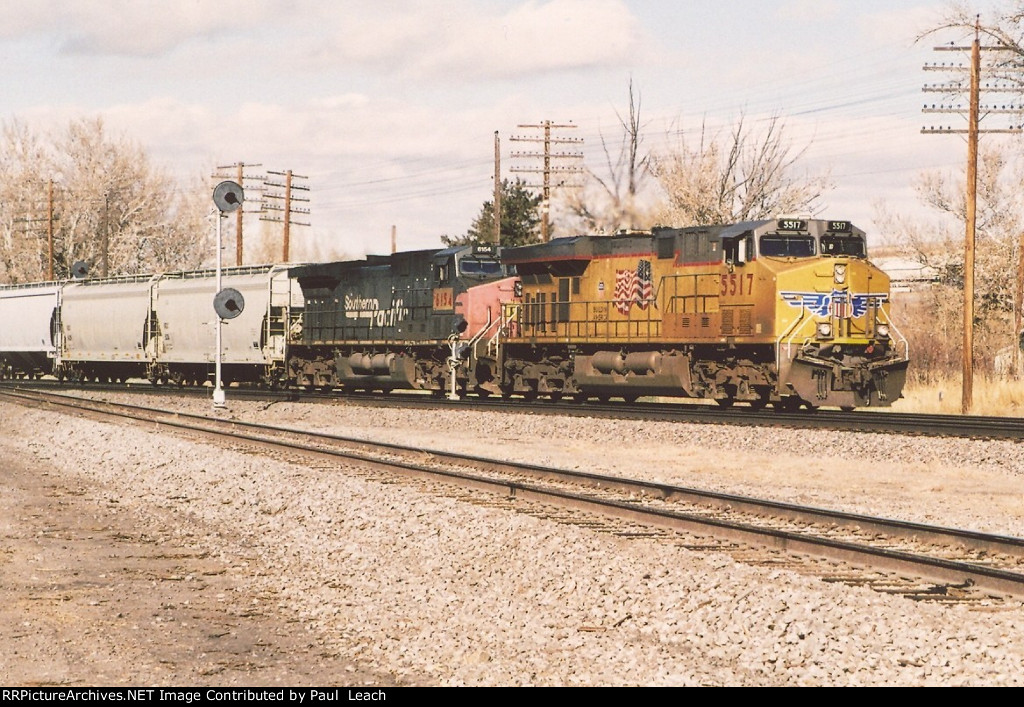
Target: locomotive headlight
[(840, 273), (882, 331), (824, 330)]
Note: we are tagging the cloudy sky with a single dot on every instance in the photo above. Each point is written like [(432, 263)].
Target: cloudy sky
[(390, 107)]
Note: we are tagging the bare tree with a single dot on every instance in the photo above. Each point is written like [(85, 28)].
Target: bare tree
[(112, 207), (1003, 27), (739, 177), (609, 203), (938, 244)]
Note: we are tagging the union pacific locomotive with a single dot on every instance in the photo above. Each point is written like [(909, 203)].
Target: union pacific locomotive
[(782, 311), (786, 311)]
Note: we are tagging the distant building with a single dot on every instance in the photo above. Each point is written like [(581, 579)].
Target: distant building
[(907, 275)]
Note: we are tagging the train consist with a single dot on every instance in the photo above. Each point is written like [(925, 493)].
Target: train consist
[(783, 311)]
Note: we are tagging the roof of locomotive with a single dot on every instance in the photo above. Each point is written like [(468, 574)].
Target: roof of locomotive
[(580, 248)]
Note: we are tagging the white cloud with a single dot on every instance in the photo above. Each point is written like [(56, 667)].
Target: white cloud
[(441, 38), (809, 10), (142, 28), (459, 39)]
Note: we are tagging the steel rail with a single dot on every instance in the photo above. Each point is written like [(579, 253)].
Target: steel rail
[(955, 572), (978, 427)]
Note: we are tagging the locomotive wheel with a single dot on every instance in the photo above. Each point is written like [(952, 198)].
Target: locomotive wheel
[(725, 402)]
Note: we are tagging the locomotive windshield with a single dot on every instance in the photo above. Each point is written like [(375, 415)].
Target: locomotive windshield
[(779, 246), (479, 268), (843, 245)]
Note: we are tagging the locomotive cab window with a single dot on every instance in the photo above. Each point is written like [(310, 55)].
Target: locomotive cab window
[(779, 246), (473, 267), (444, 272), (843, 245), (738, 250)]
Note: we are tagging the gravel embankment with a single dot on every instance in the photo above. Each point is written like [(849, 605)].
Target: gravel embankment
[(441, 592)]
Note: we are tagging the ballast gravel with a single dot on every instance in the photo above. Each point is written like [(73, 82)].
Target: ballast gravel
[(434, 590)]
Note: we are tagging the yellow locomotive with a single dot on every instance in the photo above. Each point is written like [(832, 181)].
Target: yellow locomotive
[(781, 311)]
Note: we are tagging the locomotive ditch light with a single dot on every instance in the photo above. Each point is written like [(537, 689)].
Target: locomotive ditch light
[(840, 273), (882, 331), (825, 330)]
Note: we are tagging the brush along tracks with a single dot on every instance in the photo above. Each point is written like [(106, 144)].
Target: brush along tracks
[(918, 561)]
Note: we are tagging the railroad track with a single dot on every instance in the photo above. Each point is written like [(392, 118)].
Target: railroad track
[(918, 561), (877, 421)]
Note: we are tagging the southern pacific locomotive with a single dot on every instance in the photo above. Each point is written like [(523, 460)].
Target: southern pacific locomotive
[(404, 321), (784, 311)]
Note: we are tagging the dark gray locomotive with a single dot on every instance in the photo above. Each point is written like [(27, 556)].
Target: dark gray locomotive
[(395, 321)]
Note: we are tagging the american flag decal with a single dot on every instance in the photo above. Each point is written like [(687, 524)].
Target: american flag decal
[(634, 286), (645, 286), (626, 289)]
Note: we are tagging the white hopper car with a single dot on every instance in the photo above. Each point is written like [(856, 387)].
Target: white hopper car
[(159, 327)]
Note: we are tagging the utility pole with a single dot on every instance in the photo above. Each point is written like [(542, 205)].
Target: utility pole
[(287, 209), (49, 232), (28, 227), (972, 131), (105, 243), (548, 168), (239, 176), (497, 189)]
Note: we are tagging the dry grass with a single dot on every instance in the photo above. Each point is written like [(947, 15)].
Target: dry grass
[(995, 397)]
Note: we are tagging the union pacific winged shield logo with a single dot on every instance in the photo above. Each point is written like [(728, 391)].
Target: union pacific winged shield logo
[(835, 303)]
